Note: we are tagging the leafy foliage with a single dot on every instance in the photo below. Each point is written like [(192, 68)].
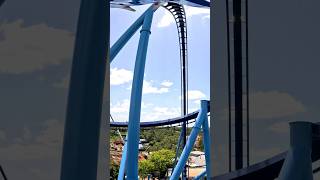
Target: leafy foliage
[(165, 138), (145, 167), (114, 170), (162, 159), (158, 163), (162, 147)]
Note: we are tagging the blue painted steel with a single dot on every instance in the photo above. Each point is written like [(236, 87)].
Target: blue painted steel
[(115, 49), (177, 149), (201, 175), (176, 120), (123, 164), (206, 142), (136, 96), (82, 126), (298, 163), (192, 138)]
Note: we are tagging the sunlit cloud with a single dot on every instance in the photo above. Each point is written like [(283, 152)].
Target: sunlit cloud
[(120, 76), (167, 19)]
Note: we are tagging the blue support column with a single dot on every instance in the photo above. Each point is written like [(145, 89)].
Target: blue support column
[(82, 126), (206, 142), (136, 96), (123, 164), (115, 49), (192, 138), (177, 149), (298, 164)]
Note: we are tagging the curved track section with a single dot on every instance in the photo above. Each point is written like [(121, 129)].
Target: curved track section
[(270, 168), (179, 16), (176, 120), (178, 13)]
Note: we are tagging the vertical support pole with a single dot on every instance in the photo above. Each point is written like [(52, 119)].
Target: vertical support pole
[(298, 164), (206, 142), (229, 88), (247, 86), (136, 96), (82, 126), (123, 164), (192, 138), (118, 45), (177, 150), (237, 34)]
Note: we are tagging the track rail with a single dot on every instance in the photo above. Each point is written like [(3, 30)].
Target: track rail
[(176, 120)]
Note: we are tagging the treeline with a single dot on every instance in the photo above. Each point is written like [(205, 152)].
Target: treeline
[(162, 144), (158, 138)]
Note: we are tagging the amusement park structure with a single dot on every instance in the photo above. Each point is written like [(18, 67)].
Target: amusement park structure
[(81, 138)]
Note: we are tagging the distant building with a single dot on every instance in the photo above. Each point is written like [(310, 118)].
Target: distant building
[(197, 163), (197, 159), (142, 144)]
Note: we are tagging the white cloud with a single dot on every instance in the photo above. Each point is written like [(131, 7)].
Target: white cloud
[(167, 83), (197, 102), (29, 48), (120, 76), (149, 112), (148, 88), (120, 110), (195, 95), (167, 19), (160, 113), (274, 104), (192, 11), (120, 107)]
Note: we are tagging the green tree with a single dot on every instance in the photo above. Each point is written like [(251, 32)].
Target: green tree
[(114, 170), (162, 160), (157, 164), (145, 167)]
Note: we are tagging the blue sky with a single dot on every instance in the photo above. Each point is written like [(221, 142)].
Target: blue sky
[(161, 93)]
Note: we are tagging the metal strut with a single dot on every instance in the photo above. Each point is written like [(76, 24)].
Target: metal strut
[(178, 13)]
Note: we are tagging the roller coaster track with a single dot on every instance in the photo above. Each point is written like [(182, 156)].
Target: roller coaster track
[(176, 120)]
